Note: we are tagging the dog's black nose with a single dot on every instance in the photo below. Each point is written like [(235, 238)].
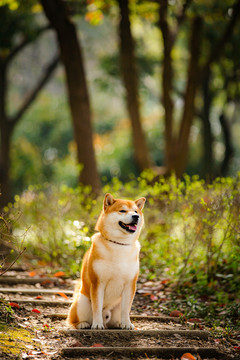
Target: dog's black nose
[(135, 217)]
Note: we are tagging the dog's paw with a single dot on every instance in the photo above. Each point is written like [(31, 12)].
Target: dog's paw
[(113, 325), (117, 325), (127, 326), (83, 325), (97, 326)]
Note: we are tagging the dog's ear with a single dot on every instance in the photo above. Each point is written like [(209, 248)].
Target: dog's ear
[(140, 203), (108, 201)]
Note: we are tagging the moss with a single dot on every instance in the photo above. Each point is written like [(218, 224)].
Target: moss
[(16, 340)]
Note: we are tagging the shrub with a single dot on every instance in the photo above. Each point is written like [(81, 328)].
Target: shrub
[(192, 228)]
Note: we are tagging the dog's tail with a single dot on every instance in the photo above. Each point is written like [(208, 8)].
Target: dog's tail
[(77, 289)]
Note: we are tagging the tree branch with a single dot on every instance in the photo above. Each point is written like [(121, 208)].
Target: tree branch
[(181, 17), (164, 26), (182, 13), (217, 49), (31, 97), (9, 267), (191, 88), (25, 42)]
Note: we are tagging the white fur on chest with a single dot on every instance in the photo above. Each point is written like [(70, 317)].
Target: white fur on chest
[(116, 267), (118, 263)]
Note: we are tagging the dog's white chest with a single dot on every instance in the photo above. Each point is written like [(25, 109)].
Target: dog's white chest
[(120, 267), (114, 273)]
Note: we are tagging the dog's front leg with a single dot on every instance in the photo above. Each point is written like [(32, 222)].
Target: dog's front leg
[(126, 303), (97, 295)]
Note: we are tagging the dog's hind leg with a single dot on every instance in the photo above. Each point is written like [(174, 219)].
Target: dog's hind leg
[(84, 312), (115, 320), (72, 318), (106, 317)]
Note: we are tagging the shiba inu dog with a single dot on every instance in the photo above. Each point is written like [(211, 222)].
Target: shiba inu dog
[(103, 297)]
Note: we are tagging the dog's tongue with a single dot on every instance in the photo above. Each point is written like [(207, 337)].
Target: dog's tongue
[(132, 227)]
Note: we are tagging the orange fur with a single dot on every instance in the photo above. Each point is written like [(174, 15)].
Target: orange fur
[(104, 296)]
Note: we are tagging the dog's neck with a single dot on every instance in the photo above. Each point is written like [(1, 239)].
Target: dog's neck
[(118, 243)]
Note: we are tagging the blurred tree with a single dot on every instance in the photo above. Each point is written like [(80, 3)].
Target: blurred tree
[(130, 79), (220, 82), (71, 54), (15, 24), (176, 144)]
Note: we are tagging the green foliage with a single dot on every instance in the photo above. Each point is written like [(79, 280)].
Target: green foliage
[(192, 228), (58, 234), (46, 127), (42, 149), (6, 312), (196, 226), (17, 20)]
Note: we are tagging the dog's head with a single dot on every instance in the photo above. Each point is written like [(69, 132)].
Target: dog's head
[(121, 219)]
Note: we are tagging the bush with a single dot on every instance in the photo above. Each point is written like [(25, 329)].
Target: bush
[(192, 228)]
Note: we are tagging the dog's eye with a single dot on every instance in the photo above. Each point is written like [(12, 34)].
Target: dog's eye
[(136, 212), (122, 211)]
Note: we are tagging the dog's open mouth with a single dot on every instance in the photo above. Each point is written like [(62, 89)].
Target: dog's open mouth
[(132, 227)]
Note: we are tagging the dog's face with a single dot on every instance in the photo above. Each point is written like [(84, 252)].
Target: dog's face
[(121, 218)]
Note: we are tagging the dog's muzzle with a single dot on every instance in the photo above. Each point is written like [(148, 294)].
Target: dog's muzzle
[(131, 227)]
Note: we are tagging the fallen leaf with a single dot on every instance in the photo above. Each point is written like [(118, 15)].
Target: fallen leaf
[(31, 354), (46, 327), (188, 356), (14, 305), (195, 320), (38, 297), (36, 311), (32, 273), (153, 297), (63, 295), (46, 282), (77, 344), (97, 345), (176, 313), (36, 352), (164, 282), (59, 274)]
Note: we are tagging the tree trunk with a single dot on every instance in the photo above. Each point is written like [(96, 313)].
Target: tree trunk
[(189, 100), (176, 150), (167, 79), (228, 145), (130, 79), (207, 129), (72, 59), (5, 129), (5, 164)]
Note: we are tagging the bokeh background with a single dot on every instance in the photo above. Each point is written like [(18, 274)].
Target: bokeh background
[(160, 81), (136, 98)]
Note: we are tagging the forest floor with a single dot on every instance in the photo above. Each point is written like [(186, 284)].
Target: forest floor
[(35, 325)]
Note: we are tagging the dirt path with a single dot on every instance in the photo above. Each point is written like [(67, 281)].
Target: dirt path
[(40, 305)]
